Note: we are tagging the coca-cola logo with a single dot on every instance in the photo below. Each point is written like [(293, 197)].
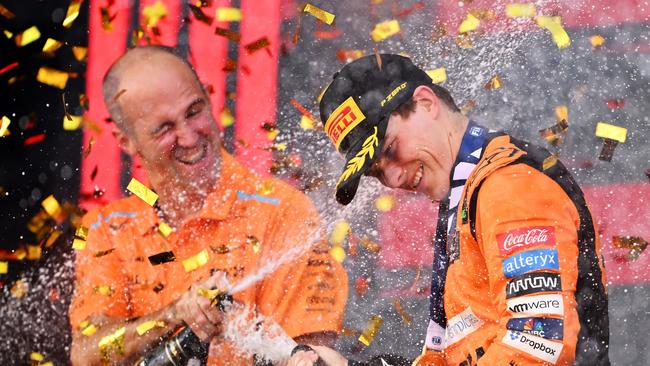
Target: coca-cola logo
[(525, 237)]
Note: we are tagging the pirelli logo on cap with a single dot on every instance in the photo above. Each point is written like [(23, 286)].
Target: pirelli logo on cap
[(344, 118)]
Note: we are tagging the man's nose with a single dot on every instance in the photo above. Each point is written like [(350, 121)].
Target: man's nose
[(391, 174), (186, 135)]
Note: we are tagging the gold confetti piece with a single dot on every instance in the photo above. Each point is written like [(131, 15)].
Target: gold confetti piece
[(4, 126), (554, 25), (385, 203), (607, 152), (226, 14), (438, 75), (78, 244), (467, 107), (51, 45), (80, 53), (306, 123), (209, 293), (521, 10), (555, 134), (494, 83), (153, 13), (226, 117), (103, 290), (35, 356), (369, 245), (562, 113), (4, 267), (257, 45), (81, 233), (160, 258), (345, 55), (52, 238), (340, 231), (406, 318), (51, 206), (87, 328), (28, 36), (338, 253), (72, 123), (164, 229), (469, 24), (19, 289), (142, 192), (72, 13), (612, 132), (272, 134), (266, 188), (48, 363), (464, 40), (113, 341), (549, 162), (34, 252), (6, 12), (635, 244), (8, 34), (384, 30), (149, 325), (52, 77), (322, 15), (102, 253), (597, 41), (196, 261), (254, 243), (371, 330)]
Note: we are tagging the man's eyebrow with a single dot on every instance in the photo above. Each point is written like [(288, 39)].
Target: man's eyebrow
[(196, 101)]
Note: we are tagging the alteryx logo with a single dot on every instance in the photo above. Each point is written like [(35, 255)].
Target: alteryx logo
[(529, 261)]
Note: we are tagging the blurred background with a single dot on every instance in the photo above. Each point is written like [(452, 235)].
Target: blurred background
[(264, 64)]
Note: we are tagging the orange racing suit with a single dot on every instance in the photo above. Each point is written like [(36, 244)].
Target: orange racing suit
[(525, 282)]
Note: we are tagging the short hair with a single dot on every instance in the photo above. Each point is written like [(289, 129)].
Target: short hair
[(111, 80), (408, 107)]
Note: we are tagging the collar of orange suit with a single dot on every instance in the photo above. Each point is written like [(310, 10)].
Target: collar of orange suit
[(218, 204)]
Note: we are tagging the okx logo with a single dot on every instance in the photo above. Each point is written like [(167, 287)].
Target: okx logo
[(538, 347), (549, 328), (529, 261)]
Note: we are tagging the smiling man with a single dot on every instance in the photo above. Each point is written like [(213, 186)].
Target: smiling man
[(517, 275), (233, 220)]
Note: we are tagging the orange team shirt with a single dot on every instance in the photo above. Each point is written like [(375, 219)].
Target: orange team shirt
[(303, 296)]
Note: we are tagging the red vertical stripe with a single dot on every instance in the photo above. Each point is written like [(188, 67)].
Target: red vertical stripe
[(103, 48), (257, 76), (208, 54)]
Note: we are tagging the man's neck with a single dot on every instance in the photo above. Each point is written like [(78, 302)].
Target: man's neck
[(178, 205), (457, 127)]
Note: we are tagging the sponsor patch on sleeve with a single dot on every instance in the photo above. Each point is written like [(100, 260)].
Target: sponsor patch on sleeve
[(549, 328), (541, 348), (536, 305), (524, 238), (531, 260), (461, 325), (534, 282)]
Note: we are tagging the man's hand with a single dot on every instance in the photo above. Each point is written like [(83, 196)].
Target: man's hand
[(205, 320), (308, 358)]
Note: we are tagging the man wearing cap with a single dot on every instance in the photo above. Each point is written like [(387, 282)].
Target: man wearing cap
[(518, 277)]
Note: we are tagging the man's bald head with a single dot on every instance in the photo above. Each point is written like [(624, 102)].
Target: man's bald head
[(126, 63)]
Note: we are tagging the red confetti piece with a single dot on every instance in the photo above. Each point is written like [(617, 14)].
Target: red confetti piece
[(415, 7), (8, 67), (34, 139), (361, 286), (302, 109), (615, 103), (328, 34)]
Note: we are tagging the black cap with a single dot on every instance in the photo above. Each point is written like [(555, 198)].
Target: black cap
[(355, 109)]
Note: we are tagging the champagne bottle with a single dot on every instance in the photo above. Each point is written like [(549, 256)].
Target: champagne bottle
[(183, 347)]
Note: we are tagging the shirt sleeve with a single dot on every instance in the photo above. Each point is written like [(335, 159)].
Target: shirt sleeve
[(100, 285), (307, 294), (527, 228)]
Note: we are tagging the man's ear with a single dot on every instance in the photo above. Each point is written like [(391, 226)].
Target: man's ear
[(124, 141), (428, 99)]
